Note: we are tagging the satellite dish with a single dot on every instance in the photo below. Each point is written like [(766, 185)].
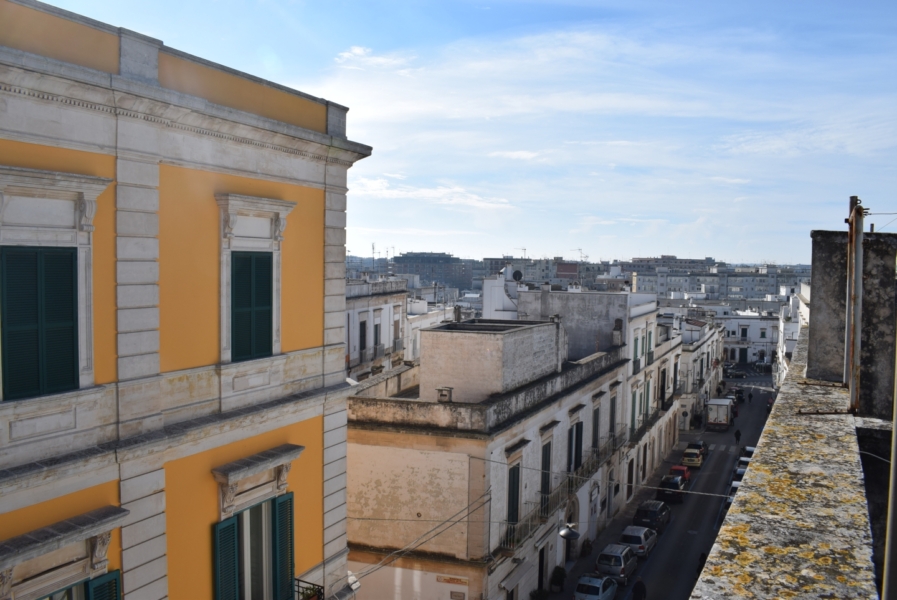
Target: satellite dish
[(517, 275)]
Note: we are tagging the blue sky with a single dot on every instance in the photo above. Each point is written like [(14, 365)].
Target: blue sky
[(622, 128)]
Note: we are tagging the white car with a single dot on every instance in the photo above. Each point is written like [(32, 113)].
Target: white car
[(640, 540), (593, 586)]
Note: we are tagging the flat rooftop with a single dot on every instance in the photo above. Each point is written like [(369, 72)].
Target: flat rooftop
[(487, 326)]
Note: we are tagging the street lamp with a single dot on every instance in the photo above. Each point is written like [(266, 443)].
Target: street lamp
[(569, 533)]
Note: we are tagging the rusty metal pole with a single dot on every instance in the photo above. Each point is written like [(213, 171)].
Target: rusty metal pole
[(857, 311)]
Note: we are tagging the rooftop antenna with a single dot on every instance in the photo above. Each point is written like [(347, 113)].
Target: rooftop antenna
[(582, 257), (524, 252)]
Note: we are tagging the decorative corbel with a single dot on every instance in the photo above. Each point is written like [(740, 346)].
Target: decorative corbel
[(280, 224), (230, 223), (5, 583), (99, 546), (282, 472), (228, 495), (88, 209)]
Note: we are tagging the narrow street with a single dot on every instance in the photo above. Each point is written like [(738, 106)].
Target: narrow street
[(671, 570)]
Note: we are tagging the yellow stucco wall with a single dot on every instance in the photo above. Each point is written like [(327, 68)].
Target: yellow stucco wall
[(52, 511), (192, 505), (33, 156), (189, 264), (223, 88), (35, 31)]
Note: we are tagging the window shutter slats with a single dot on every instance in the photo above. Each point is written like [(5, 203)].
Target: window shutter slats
[(40, 321), (284, 561), (251, 305), (514, 494), (227, 560), (105, 587)]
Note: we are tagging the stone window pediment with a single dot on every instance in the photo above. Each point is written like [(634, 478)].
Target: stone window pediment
[(51, 208), (42, 561), (254, 479)]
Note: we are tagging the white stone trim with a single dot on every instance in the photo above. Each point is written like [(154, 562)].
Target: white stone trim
[(241, 218), (49, 186)]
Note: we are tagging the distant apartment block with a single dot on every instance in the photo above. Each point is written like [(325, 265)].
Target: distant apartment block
[(438, 267)]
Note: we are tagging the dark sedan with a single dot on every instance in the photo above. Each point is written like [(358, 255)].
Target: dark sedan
[(672, 489)]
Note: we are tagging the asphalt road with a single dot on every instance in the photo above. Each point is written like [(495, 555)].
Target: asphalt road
[(671, 570)]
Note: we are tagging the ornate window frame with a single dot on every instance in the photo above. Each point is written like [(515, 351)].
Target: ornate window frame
[(253, 224), (35, 211), (254, 479), (30, 565)]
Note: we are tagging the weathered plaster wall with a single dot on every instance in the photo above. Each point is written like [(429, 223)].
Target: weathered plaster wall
[(528, 354), (471, 363), (588, 318), (879, 323), (825, 354), (409, 490)]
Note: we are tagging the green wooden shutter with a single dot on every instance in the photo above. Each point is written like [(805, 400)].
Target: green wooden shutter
[(105, 587), (284, 561), (262, 293), (60, 316), (40, 321), (577, 451), (251, 305), (227, 560), (514, 494)]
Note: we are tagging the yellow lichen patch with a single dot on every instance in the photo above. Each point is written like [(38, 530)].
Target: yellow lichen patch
[(807, 555), (774, 550), (825, 560), (744, 559), (789, 579), (841, 578), (818, 576)]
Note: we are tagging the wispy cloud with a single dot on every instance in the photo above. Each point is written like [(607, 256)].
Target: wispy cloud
[(447, 195), (731, 180), (516, 154)]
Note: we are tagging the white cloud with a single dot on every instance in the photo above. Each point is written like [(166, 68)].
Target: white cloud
[(447, 195), (395, 175), (410, 231), (516, 154), (358, 57), (731, 180)]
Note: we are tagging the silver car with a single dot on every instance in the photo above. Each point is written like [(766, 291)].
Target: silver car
[(640, 540), (618, 562)]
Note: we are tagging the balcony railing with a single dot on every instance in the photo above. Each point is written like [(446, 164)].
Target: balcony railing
[(378, 351), (636, 367), (649, 358), (645, 422), (620, 437), (514, 534), (304, 590), (549, 503), (585, 471), (398, 345)]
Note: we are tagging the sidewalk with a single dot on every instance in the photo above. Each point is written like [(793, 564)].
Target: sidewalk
[(611, 533)]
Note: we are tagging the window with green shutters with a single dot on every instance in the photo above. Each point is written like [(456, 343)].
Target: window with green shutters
[(105, 587), (251, 305), (39, 312), (254, 552)]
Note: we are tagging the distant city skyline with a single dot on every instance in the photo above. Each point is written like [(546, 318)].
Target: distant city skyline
[(622, 128)]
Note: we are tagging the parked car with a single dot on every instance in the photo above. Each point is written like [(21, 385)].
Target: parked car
[(742, 463), (617, 561), (738, 475), (594, 586), (748, 451), (640, 540), (682, 471), (692, 458), (700, 445), (737, 374), (652, 514), (672, 489)]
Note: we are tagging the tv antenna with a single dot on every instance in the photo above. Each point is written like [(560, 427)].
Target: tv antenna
[(524, 252), (582, 257)]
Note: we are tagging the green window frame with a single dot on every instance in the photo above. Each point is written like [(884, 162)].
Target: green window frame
[(39, 325), (227, 561), (105, 587), (252, 295)]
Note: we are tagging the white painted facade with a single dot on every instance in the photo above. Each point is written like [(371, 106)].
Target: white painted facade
[(375, 325)]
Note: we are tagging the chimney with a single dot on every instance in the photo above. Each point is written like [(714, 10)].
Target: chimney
[(444, 394), (457, 311)]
